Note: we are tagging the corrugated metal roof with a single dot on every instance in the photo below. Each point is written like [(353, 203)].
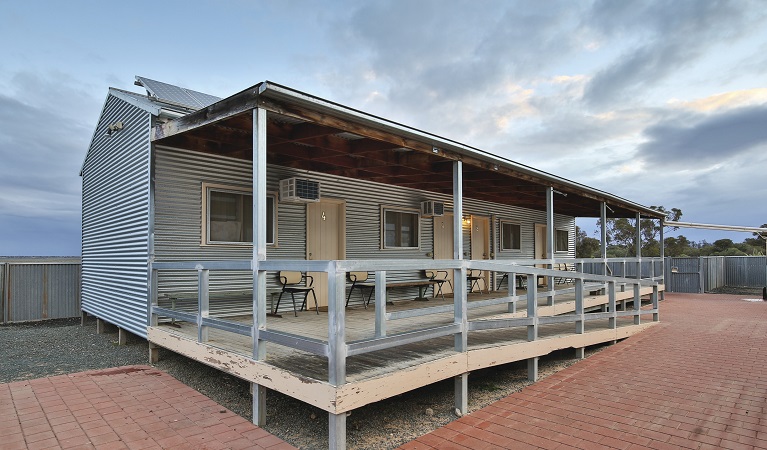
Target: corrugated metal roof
[(176, 94)]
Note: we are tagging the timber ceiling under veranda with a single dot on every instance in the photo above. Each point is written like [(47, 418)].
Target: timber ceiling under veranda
[(314, 139)]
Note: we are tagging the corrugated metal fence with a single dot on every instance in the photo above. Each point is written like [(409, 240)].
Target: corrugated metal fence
[(695, 275), (39, 288)]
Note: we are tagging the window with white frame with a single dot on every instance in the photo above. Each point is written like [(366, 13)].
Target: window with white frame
[(228, 215), (400, 228), (561, 241), (510, 236)]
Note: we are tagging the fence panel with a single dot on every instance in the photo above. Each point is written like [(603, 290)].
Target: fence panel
[(683, 275), (40, 290), (749, 271)]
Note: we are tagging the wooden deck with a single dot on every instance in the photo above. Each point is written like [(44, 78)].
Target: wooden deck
[(385, 373)]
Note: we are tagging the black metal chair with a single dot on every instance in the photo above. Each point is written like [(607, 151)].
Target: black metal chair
[(292, 283), (439, 277), (473, 277), (358, 282)]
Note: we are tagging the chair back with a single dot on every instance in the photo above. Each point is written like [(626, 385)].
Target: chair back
[(290, 277), (436, 274), (358, 276), (475, 272)]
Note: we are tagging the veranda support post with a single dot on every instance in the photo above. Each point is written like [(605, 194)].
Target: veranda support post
[(259, 254), (460, 311), (532, 330), (336, 350)]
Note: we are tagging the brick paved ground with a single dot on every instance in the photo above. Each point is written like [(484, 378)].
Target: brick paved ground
[(132, 407), (696, 380)]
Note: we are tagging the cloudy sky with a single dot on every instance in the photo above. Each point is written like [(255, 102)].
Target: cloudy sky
[(660, 102)]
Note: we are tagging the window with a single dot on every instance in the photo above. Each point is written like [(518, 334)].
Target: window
[(400, 229), (510, 236), (562, 241), (228, 215)]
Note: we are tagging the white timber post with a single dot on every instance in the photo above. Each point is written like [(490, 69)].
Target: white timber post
[(579, 312), (380, 303), (603, 238), (512, 285), (532, 329), (613, 323), (663, 256), (154, 350), (460, 296), (550, 242), (337, 350), (639, 246), (259, 255), (203, 303)]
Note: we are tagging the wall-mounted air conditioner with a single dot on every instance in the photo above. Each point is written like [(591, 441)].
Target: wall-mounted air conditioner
[(299, 190), (432, 208)]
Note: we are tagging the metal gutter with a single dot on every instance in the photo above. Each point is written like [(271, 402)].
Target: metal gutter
[(706, 226)]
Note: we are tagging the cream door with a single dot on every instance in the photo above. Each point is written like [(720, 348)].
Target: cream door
[(541, 251), (480, 245), (443, 245), (325, 240)]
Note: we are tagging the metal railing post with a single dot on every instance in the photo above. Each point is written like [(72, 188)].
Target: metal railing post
[(637, 304), (579, 313), (532, 330), (203, 303), (512, 285), (336, 349), (380, 303)]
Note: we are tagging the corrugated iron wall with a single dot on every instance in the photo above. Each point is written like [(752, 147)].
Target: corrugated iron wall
[(39, 290), (695, 275), (115, 223), (748, 271), (178, 205)]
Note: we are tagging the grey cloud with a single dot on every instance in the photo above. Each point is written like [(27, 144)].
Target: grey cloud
[(665, 36), (41, 153), (437, 51), (717, 138)]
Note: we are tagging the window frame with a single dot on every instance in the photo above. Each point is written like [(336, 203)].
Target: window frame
[(518, 249), (400, 210), (556, 240), (233, 189)]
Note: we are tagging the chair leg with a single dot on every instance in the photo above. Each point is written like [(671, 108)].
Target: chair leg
[(349, 296), (370, 295), (292, 295), (277, 308), (316, 305), (439, 290)]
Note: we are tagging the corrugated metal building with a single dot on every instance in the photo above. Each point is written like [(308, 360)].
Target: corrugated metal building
[(142, 202), (177, 186)]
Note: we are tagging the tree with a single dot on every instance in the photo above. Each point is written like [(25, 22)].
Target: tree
[(621, 233), (585, 246)]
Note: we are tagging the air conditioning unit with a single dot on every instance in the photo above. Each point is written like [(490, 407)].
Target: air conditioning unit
[(432, 208), (299, 190)]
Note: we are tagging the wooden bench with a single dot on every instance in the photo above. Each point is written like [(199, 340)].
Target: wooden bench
[(422, 285)]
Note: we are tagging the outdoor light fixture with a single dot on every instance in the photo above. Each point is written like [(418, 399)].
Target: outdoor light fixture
[(560, 193), (117, 126)]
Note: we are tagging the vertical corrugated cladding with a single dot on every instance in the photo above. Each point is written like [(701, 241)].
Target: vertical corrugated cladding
[(116, 218), (2, 292), (178, 215), (745, 271), (42, 290)]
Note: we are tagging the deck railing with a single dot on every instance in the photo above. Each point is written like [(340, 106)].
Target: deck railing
[(337, 349)]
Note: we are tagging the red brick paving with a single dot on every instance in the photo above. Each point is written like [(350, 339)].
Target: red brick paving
[(696, 380), (133, 407)]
